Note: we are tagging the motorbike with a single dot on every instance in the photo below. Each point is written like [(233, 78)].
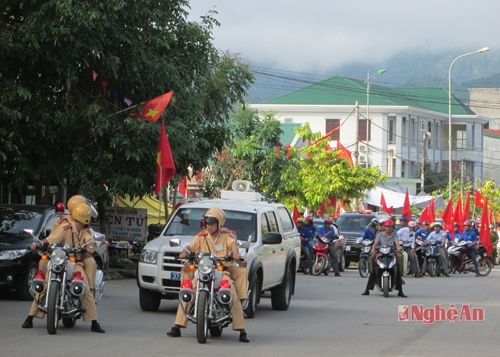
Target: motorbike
[(64, 289), (321, 256), (431, 260), (461, 261), (386, 270), (365, 253), (209, 303)]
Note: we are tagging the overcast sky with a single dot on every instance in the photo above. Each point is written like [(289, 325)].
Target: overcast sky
[(319, 35)]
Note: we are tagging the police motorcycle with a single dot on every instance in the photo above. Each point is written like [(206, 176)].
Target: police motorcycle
[(366, 248), (461, 261), (431, 261), (385, 270), (64, 289)]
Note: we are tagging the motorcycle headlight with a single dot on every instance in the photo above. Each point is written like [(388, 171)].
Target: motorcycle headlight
[(148, 256), (366, 242), (380, 264), (385, 250), (205, 266), (58, 257), (12, 254)]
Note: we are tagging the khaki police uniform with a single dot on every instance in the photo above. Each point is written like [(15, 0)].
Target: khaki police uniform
[(221, 245), (66, 233)]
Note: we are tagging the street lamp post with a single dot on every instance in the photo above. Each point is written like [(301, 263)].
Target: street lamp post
[(369, 77), (484, 49)]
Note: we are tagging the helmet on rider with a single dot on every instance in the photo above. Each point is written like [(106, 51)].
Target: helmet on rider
[(425, 223), (374, 222), (81, 213), (301, 220), (327, 221), (309, 219), (75, 200), (412, 224), (389, 223), (215, 215), (436, 224)]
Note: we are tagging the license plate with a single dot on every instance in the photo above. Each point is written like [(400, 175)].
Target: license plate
[(175, 275), (348, 248)]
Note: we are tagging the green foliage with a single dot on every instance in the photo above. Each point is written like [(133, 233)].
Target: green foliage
[(316, 173), (58, 126)]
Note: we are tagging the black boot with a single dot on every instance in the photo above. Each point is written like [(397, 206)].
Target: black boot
[(366, 292), (28, 323), (95, 327), (175, 331), (401, 294), (244, 337)]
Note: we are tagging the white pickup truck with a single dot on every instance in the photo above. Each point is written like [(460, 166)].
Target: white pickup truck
[(264, 230)]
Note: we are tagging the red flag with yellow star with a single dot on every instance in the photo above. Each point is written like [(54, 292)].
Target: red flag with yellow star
[(165, 167), (153, 109)]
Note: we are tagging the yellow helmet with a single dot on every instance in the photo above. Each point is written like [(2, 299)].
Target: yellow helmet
[(81, 213), (74, 200), (216, 213)]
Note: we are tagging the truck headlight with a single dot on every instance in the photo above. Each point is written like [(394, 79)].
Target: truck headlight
[(148, 256), (12, 254)]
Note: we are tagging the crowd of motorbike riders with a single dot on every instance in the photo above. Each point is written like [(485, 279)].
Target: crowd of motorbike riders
[(411, 237)]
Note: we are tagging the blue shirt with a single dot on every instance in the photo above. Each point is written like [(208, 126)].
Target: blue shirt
[(469, 236), (422, 233), (329, 232), (306, 232), (369, 233)]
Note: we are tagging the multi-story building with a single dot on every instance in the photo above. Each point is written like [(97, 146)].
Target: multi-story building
[(399, 130)]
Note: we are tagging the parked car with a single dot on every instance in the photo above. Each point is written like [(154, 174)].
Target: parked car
[(352, 226), (20, 226)]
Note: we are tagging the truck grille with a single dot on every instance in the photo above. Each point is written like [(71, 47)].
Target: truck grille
[(171, 262), (351, 240)]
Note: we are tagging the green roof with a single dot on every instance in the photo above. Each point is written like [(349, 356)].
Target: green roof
[(346, 91), (288, 132)]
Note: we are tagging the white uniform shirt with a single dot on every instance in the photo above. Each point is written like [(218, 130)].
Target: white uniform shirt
[(406, 237)]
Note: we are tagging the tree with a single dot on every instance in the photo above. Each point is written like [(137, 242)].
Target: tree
[(62, 125), (317, 173), (252, 152)]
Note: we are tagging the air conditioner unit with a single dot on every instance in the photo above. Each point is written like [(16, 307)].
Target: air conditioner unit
[(362, 148), (362, 158)]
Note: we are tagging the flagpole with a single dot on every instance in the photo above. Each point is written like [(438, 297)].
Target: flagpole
[(124, 110)]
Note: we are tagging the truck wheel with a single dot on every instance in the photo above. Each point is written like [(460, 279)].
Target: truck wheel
[(149, 300), (253, 297), (281, 295)]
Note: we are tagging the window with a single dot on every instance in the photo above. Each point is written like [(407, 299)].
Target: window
[(461, 139), (364, 130), (405, 138), (273, 224), (392, 129), (286, 219), (331, 124), (264, 227)]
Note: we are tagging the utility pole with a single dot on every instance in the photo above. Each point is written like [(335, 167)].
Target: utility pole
[(427, 137), (356, 131), (462, 174)]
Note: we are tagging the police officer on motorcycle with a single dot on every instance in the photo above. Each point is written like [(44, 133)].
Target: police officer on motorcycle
[(74, 234), (385, 238), (215, 239)]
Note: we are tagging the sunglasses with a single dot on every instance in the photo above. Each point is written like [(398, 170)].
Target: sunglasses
[(211, 220)]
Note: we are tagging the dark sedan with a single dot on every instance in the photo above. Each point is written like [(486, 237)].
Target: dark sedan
[(21, 225)]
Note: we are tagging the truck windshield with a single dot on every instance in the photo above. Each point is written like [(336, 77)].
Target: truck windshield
[(353, 223), (188, 222)]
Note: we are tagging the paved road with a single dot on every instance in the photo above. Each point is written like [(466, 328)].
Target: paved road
[(327, 316)]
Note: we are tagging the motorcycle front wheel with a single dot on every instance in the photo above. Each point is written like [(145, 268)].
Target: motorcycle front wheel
[(363, 267), (484, 266), (431, 268), (202, 317), (385, 284), (319, 264), (52, 310)]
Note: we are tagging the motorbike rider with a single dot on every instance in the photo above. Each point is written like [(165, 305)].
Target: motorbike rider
[(406, 237), (494, 240), (371, 231), (74, 234), (469, 235), (222, 242), (420, 235), (306, 240), (385, 238), (329, 233), (442, 237)]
